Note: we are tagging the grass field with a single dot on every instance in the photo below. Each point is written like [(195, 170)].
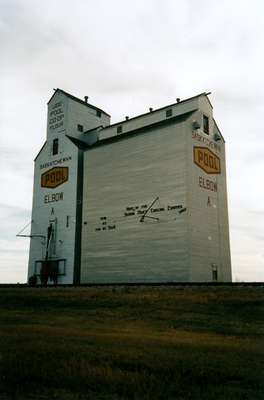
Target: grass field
[(132, 343)]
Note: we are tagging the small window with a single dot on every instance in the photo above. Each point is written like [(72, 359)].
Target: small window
[(67, 221), (80, 128), (214, 273), (206, 124), (169, 113), (98, 113), (119, 129), (55, 147)]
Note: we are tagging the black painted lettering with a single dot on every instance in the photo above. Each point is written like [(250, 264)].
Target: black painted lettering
[(51, 198)]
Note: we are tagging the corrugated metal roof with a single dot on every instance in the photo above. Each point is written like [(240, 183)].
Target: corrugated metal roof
[(178, 118), (160, 109)]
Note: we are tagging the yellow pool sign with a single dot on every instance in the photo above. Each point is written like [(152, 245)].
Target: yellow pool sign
[(206, 160), (54, 177)]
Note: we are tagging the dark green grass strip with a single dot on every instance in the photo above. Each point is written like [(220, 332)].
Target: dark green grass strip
[(132, 343)]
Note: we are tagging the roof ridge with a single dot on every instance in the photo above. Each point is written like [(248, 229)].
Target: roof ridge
[(78, 100), (158, 109)]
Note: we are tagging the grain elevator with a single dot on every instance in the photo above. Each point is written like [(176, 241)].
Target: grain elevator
[(142, 200)]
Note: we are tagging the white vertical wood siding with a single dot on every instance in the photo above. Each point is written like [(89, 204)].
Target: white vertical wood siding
[(132, 173), (208, 214), (43, 212)]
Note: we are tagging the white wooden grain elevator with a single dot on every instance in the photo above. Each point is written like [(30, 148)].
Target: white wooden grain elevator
[(142, 200)]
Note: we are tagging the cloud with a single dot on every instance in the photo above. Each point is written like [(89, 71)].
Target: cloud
[(13, 250), (128, 56)]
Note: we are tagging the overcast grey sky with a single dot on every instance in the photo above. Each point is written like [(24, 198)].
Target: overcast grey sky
[(127, 56)]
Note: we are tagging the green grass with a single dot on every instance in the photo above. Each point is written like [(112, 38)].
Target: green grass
[(132, 343)]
